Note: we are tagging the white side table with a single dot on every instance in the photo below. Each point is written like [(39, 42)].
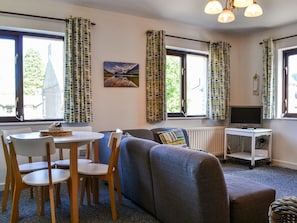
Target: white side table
[(253, 134)]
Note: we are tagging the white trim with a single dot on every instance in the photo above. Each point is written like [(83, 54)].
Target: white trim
[(284, 164), (187, 50)]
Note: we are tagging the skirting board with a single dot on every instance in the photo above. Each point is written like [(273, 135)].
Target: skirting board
[(284, 164)]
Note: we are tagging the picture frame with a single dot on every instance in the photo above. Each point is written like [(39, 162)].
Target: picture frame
[(121, 74)]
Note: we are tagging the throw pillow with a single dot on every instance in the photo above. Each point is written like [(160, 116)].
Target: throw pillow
[(173, 137)]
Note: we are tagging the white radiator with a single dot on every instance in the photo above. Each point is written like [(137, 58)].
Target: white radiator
[(210, 139)]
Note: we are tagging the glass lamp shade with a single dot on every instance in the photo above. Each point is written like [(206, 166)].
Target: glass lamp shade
[(226, 16), (253, 10), (213, 7), (242, 3)]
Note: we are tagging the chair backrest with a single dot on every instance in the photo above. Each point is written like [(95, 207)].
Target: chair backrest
[(6, 152), (114, 144), (115, 135), (41, 146), (8, 132), (33, 146)]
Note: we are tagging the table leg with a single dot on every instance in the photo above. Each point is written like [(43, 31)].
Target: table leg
[(74, 209)]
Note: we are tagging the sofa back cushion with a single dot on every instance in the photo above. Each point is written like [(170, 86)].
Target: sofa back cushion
[(188, 186), (140, 133), (104, 151)]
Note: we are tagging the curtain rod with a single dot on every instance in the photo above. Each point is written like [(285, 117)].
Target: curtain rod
[(37, 16), (286, 37), (196, 40)]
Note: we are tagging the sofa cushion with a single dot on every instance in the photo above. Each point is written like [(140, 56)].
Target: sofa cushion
[(104, 151), (173, 137), (249, 200), (156, 132)]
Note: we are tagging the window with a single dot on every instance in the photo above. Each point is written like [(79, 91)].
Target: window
[(186, 84), (31, 76), (289, 94)]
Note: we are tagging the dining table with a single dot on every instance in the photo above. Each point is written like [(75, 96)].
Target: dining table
[(72, 142)]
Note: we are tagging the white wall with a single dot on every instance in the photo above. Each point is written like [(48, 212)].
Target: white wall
[(120, 37), (115, 37), (284, 152)]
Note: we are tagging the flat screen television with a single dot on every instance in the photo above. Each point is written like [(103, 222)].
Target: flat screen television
[(246, 116)]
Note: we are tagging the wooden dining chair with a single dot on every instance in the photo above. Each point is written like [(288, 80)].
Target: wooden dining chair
[(106, 172), (41, 147), (27, 165)]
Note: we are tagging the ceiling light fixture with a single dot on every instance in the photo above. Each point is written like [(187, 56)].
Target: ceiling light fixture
[(226, 15)]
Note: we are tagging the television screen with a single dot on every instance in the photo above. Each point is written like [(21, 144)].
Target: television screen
[(246, 116)]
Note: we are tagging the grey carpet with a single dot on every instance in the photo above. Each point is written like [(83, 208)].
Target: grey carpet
[(127, 212), (282, 179)]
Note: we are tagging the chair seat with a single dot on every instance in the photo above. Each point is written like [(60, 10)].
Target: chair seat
[(40, 177), (29, 167), (93, 169), (66, 162)]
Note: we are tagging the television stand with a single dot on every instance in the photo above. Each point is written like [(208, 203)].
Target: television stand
[(255, 154)]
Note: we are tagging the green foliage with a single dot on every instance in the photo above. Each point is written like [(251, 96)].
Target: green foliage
[(173, 84), (33, 74)]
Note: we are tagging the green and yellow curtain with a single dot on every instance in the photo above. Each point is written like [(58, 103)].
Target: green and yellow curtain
[(268, 80), (78, 92), (218, 80), (155, 76)]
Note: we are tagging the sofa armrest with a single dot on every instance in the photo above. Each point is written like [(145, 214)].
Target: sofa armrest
[(135, 171)]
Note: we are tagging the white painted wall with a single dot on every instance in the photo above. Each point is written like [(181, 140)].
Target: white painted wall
[(284, 150), (115, 37), (120, 37)]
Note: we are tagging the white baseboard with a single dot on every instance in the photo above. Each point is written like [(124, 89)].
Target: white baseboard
[(284, 164)]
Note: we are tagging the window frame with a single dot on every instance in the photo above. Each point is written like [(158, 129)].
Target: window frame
[(183, 54), (285, 54), (18, 37)]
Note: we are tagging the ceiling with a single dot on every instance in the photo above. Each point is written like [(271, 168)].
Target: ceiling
[(275, 12)]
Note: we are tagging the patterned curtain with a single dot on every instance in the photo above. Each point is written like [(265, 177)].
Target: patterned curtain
[(268, 81), (78, 93), (218, 80), (155, 76)]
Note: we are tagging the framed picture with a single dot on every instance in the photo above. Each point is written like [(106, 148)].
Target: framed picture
[(117, 74)]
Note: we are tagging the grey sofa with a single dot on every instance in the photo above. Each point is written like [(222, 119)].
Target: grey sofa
[(181, 185)]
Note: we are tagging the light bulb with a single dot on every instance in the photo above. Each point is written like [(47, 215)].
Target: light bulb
[(242, 3), (213, 7), (253, 10), (226, 16)]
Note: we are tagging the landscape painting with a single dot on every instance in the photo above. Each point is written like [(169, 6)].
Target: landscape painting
[(118, 74)]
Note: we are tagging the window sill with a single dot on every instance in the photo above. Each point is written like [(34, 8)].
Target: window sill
[(186, 118), (26, 123)]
